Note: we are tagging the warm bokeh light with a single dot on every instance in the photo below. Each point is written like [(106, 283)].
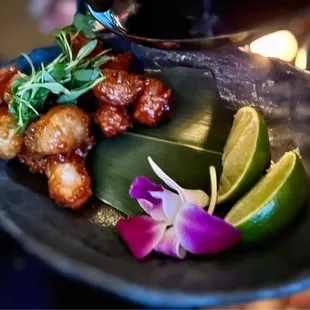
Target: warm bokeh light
[(301, 58), (280, 44)]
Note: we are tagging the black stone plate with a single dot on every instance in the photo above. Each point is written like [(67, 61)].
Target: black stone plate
[(85, 246)]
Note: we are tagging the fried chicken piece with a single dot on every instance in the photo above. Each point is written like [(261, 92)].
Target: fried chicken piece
[(35, 162), (119, 88), (62, 129), (6, 79), (9, 85), (68, 181), (119, 62), (85, 147), (78, 41), (10, 141), (113, 121), (153, 104)]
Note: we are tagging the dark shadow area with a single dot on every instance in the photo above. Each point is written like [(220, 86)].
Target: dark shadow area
[(28, 283)]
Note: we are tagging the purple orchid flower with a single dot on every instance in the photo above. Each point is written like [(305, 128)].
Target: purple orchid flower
[(176, 223)]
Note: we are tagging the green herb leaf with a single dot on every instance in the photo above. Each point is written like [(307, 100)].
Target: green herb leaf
[(16, 83), (76, 93), (33, 71), (59, 72), (101, 61), (47, 77), (85, 24), (86, 75), (62, 41), (86, 49), (11, 109), (55, 88), (67, 76)]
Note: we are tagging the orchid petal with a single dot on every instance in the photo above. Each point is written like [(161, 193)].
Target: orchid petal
[(202, 233), (141, 234), (154, 211), (171, 204), (141, 187), (170, 245), (197, 197)]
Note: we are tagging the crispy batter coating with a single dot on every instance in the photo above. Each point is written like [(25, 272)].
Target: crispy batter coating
[(68, 181), (119, 88), (10, 141), (113, 121), (119, 62), (35, 162), (79, 41), (6, 78), (85, 147), (153, 104), (62, 129), (8, 86)]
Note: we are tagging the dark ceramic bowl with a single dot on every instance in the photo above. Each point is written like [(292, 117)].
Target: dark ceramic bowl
[(85, 246), (195, 24)]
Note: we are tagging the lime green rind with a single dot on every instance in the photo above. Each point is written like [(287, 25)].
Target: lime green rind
[(255, 168), (278, 209)]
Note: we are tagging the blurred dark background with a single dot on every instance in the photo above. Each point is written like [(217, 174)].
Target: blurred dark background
[(18, 31)]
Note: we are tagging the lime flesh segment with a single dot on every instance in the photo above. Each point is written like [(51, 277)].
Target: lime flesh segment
[(246, 155), (273, 202)]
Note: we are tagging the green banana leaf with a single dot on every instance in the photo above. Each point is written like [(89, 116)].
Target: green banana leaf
[(184, 147)]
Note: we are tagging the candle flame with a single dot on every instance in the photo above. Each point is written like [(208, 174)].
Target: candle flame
[(280, 44), (301, 58)]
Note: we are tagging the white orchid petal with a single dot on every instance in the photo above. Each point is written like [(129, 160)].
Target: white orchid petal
[(154, 211), (213, 199), (197, 197), (171, 205), (157, 195), (164, 177)]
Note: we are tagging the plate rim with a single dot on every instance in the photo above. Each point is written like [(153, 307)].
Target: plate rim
[(140, 294)]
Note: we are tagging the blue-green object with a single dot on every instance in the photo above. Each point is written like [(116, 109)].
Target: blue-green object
[(43, 55)]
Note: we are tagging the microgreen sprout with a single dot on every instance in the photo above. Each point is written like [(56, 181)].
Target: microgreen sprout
[(68, 76)]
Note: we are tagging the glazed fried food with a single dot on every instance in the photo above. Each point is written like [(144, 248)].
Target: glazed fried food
[(153, 104), (119, 88), (62, 129), (35, 162), (112, 120), (68, 181), (10, 142), (6, 77), (119, 62), (78, 89)]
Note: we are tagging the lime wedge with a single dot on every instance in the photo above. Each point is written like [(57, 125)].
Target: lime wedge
[(273, 202), (246, 155)]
